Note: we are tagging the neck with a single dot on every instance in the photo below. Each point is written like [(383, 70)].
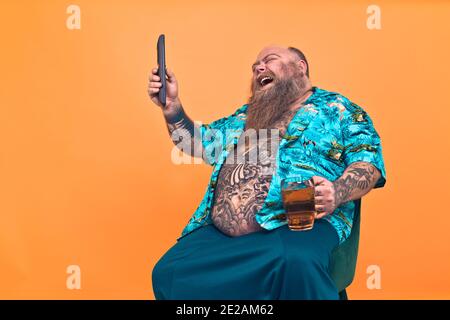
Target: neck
[(305, 94)]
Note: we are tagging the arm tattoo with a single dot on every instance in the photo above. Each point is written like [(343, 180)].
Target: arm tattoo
[(356, 181), (180, 120), (180, 125)]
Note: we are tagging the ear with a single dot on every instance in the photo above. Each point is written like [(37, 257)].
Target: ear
[(302, 65)]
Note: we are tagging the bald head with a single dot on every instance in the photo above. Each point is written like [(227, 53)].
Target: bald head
[(279, 55), (282, 51)]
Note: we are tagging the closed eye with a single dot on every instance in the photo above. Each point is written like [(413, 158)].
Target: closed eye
[(265, 60)]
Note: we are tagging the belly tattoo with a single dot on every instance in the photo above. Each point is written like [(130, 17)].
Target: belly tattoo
[(241, 191)]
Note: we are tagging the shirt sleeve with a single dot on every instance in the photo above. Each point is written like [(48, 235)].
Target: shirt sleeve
[(361, 140), (215, 136)]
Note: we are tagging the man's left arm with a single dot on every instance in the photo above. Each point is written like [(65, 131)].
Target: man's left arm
[(362, 157), (356, 181)]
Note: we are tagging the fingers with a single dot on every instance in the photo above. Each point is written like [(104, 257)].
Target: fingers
[(153, 89), (321, 215), (154, 82), (319, 200), (318, 180), (321, 191), (170, 75), (309, 183), (323, 197), (320, 207), (154, 78), (322, 203), (321, 210)]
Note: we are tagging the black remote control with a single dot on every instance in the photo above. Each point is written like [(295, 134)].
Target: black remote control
[(162, 69)]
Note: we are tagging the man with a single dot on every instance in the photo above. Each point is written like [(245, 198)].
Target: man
[(237, 244)]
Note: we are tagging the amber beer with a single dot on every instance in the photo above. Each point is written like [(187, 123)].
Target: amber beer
[(300, 206)]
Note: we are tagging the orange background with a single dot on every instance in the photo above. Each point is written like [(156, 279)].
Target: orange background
[(85, 167)]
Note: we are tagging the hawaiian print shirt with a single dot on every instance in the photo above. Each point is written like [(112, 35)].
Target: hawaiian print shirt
[(323, 138)]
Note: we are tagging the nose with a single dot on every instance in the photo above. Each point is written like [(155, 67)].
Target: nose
[(260, 68)]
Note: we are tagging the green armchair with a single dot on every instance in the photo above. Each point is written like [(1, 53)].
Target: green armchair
[(344, 256)]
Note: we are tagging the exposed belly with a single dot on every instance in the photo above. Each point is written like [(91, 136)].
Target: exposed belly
[(240, 193)]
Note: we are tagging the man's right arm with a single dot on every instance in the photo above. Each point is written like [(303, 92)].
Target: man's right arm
[(182, 130), (185, 134)]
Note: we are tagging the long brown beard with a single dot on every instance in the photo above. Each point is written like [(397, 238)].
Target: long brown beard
[(269, 106)]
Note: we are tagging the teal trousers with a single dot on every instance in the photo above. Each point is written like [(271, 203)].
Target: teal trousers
[(279, 264)]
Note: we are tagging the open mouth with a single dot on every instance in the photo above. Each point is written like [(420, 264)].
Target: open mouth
[(265, 81)]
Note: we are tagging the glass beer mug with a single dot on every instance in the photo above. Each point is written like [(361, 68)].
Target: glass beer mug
[(298, 202)]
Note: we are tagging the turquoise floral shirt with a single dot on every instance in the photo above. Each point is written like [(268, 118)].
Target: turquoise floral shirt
[(323, 138)]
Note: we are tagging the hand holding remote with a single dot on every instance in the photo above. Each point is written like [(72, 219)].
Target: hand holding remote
[(171, 89), (163, 86)]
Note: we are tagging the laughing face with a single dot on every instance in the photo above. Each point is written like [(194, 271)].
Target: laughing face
[(278, 80), (269, 66)]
